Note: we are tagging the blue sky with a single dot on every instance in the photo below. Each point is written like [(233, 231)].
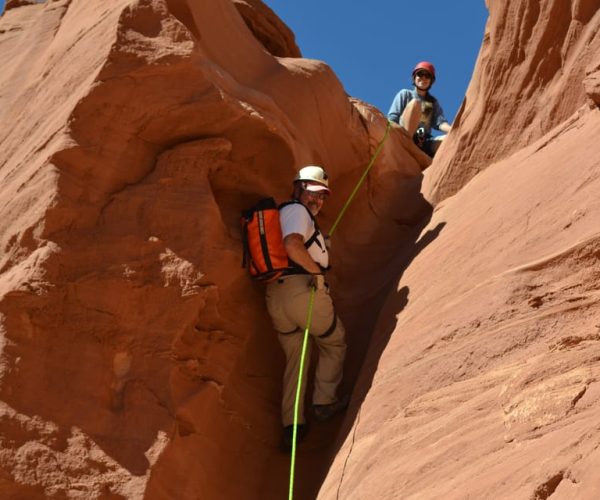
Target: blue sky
[(373, 46)]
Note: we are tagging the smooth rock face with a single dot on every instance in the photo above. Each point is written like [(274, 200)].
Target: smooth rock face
[(136, 356), (527, 80), (488, 382)]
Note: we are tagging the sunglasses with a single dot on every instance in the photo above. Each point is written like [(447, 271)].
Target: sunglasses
[(320, 195), (423, 74)]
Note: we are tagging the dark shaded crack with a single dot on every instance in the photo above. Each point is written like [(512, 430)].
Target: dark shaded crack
[(337, 496), (572, 341), (9, 30), (578, 396), (546, 489)]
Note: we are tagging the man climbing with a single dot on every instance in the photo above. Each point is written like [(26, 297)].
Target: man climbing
[(418, 111), (288, 301)]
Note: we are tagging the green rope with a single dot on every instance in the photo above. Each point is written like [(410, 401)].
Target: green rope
[(310, 309), (362, 179), (298, 387)]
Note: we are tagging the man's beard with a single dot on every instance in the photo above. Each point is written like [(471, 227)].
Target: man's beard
[(314, 207)]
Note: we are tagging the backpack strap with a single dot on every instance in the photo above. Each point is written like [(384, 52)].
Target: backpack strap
[(315, 235), (297, 268), (313, 239)]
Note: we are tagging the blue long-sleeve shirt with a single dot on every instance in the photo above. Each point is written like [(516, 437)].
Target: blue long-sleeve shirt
[(432, 114)]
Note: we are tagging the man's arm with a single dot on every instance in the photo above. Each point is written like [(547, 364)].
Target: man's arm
[(294, 246)]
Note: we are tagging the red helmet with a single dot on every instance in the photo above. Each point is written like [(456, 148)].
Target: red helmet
[(427, 66)]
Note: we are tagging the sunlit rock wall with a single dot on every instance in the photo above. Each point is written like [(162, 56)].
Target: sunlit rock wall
[(486, 356), (136, 357)]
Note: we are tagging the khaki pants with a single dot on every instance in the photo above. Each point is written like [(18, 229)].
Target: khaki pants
[(287, 302)]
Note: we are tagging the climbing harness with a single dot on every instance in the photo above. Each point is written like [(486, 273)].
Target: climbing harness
[(298, 387), (310, 308)]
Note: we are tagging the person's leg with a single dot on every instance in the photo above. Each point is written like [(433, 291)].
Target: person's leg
[(329, 334), (282, 297), (328, 375), (290, 300), (411, 116)]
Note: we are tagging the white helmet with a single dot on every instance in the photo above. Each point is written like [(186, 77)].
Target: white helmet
[(313, 174)]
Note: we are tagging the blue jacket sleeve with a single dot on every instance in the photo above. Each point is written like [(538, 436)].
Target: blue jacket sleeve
[(398, 105)]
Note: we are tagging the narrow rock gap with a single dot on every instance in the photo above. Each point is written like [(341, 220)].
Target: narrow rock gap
[(371, 341)]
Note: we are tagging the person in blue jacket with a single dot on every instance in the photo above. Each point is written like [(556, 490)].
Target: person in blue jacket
[(417, 111)]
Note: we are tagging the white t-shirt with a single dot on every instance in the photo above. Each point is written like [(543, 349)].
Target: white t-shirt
[(294, 218)]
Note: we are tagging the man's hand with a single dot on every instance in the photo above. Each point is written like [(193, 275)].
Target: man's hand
[(318, 281)]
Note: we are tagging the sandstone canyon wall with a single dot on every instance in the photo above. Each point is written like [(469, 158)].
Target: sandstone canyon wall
[(136, 357), (488, 386)]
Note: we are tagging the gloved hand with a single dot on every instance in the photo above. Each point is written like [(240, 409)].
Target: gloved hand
[(318, 282)]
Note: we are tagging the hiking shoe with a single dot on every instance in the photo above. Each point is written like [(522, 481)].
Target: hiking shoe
[(288, 436), (325, 412)]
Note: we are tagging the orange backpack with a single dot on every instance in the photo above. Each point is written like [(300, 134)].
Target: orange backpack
[(265, 256)]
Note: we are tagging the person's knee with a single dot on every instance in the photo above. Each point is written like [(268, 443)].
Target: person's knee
[(410, 116), (413, 102), (411, 108)]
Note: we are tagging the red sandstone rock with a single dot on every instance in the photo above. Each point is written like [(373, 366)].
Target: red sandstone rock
[(136, 357), (276, 37), (13, 4), (482, 375), (528, 79)]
